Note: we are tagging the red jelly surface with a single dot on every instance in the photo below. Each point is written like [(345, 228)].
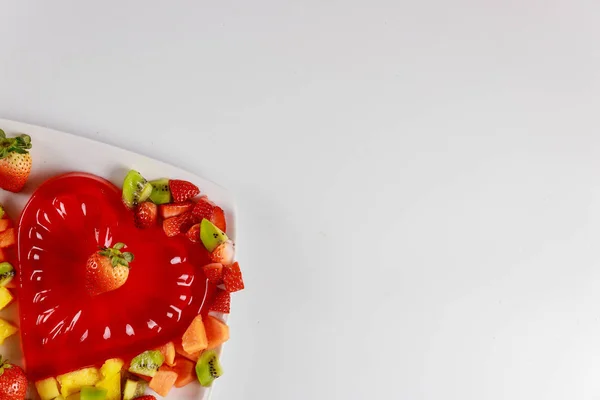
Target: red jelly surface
[(63, 328)]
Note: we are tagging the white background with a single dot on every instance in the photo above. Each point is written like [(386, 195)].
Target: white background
[(418, 182)]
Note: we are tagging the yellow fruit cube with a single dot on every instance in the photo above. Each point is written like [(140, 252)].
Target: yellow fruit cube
[(6, 330), (5, 297), (111, 367), (47, 388), (72, 382), (112, 384)]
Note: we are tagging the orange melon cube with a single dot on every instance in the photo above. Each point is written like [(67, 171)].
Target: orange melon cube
[(217, 332), (168, 352), (8, 238), (190, 356), (194, 338), (163, 381), (5, 224), (185, 372)]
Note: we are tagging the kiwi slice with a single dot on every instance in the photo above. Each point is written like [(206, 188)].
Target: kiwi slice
[(208, 368), (210, 235), (2, 212), (161, 194), (7, 273), (92, 393), (134, 389), (135, 189), (147, 363)]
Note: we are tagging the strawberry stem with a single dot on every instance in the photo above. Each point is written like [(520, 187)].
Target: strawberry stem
[(116, 256), (19, 144)]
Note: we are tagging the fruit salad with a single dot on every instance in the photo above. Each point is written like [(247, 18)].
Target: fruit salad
[(123, 292)]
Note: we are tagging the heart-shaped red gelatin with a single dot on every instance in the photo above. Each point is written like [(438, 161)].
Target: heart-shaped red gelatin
[(63, 328)]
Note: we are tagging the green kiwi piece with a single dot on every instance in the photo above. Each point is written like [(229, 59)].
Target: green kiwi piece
[(135, 189), (7, 273), (1, 212), (147, 363), (161, 194), (210, 235), (92, 393), (208, 368)]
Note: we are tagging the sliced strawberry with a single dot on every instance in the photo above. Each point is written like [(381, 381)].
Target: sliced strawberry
[(214, 272), (203, 209), (145, 215), (182, 190), (221, 303), (173, 210), (232, 278), (218, 218), (179, 224), (224, 253), (194, 233)]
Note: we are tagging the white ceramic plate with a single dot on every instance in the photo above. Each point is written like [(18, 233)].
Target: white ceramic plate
[(56, 152)]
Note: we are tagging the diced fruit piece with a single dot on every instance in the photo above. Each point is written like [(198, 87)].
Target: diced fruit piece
[(232, 278), (7, 273), (224, 254), (203, 209), (146, 215), (194, 338), (179, 224), (173, 210), (147, 363), (218, 218), (146, 397), (185, 371), (194, 233), (2, 212), (13, 383), (211, 236), (72, 382), (182, 190), (92, 393), (5, 224), (74, 396), (217, 332), (112, 385), (8, 238), (111, 367), (168, 352), (160, 191), (163, 380), (190, 356), (134, 389), (5, 297), (15, 161), (6, 330), (208, 368), (107, 269), (135, 189), (221, 302), (47, 388), (214, 272)]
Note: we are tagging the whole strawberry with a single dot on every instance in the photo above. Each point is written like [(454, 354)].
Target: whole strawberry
[(15, 161), (13, 383), (107, 269)]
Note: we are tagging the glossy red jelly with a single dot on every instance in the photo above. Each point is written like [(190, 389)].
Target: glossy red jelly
[(63, 328)]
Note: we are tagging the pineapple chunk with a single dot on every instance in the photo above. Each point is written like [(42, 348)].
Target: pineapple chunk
[(6, 330), (5, 297), (47, 388), (112, 384), (111, 367), (72, 382)]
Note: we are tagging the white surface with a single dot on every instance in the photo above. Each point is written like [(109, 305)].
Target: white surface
[(419, 177), (57, 153)]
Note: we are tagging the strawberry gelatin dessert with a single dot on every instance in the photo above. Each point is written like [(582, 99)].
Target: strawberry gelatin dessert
[(63, 326)]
